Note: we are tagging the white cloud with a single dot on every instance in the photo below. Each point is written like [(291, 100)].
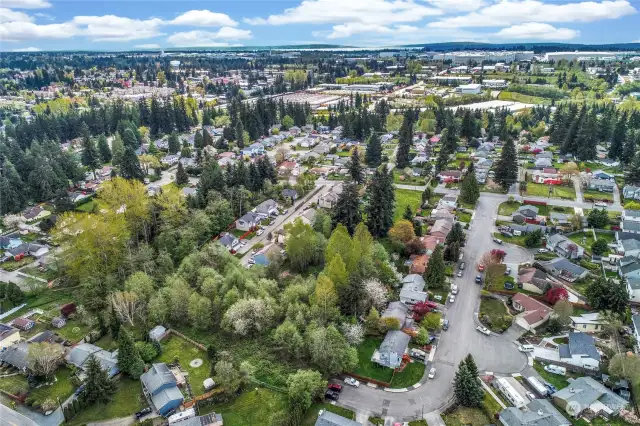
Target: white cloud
[(147, 46), (509, 12), (347, 30), (116, 28), (458, 5), (198, 38), (204, 18), (45, 16), (26, 4), (19, 31), (379, 12), (537, 31), (8, 15), (27, 49)]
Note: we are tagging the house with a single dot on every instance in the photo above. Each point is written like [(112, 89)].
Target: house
[(540, 412), (602, 185), (289, 168), (559, 219), (580, 351), (399, 311), (532, 313), (534, 280), (545, 154), (633, 287), (542, 163), (391, 350), (631, 215), (294, 130), (161, 386), (267, 208), (620, 387), (586, 393), (588, 323), (329, 200), (35, 213), (413, 289), (308, 216), (248, 221), (46, 336), (170, 159), (8, 336), (562, 268), (631, 226), (229, 241), (157, 333), (599, 174), (17, 356), (327, 418), (630, 192), (449, 200), (211, 419), (564, 247), (450, 176), (80, 353), (444, 213), (253, 150), (27, 249), (23, 323), (525, 211), (629, 267), (58, 322), (420, 158), (441, 229), (419, 263), (290, 193), (429, 242)]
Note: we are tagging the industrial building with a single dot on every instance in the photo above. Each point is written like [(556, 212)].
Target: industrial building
[(484, 56)]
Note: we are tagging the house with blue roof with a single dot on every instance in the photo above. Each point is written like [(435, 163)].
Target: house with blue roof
[(581, 351), (160, 385), (392, 348)]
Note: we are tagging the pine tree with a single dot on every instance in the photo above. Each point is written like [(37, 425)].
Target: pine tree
[(182, 178), (469, 190), (129, 360), (434, 276), (347, 210), (381, 204), (355, 168), (466, 387), (507, 167), (130, 165), (103, 148), (90, 155), (117, 150), (239, 134), (456, 235), (408, 213), (373, 155), (174, 143), (617, 139), (632, 173), (471, 365), (129, 139), (587, 137), (98, 387), (404, 143)]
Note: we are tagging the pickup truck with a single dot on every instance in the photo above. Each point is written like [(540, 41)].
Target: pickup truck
[(483, 330)]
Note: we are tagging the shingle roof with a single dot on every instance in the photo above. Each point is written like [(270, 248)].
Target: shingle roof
[(157, 376), (631, 225), (6, 331), (327, 418), (583, 344), (585, 391), (165, 396), (80, 353), (564, 265), (540, 413), (16, 355)]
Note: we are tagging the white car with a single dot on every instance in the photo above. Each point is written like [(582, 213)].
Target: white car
[(459, 274), (601, 204), (483, 330), (260, 232), (352, 382), (452, 298), (543, 250), (432, 373)]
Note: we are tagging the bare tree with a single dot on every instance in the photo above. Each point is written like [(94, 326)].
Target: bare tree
[(126, 305), (44, 358), (377, 293), (563, 310)]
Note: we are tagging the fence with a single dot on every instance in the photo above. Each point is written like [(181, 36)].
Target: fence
[(193, 342)]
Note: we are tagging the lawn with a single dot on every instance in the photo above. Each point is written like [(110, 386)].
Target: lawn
[(366, 368), (590, 194), (411, 375), (176, 347), (312, 414), (404, 198), (254, 407), (107, 343), (464, 217), (464, 416), (14, 384), (585, 239), (508, 207), (87, 207), (13, 265), (62, 388), (400, 177), (556, 380), (494, 315), (127, 400), (519, 97), (516, 239), (73, 331), (50, 272), (557, 191)]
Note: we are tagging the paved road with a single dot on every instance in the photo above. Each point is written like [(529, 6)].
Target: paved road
[(497, 354), (11, 417)]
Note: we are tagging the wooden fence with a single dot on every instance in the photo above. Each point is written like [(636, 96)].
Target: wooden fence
[(193, 342)]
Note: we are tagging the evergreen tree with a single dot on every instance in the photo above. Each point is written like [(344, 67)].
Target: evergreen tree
[(90, 155), (469, 190), (373, 155), (466, 387), (174, 143), (404, 143), (355, 168), (130, 165), (632, 172), (129, 360), (587, 137), (103, 148), (434, 276), (408, 213), (117, 150), (456, 235), (182, 178), (98, 387), (12, 194), (507, 167), (129, 139), (347, 210), (381, 204), (471, 365), (617, 139), (239, 134)]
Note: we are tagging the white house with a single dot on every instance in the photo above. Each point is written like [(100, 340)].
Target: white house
[(449, 200), (267, 208), (581, 351), (413, 289), (248, 221), (588, 323), (633, 286)]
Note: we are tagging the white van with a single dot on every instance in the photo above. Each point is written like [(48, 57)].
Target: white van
[(526, 348), (454, 289)]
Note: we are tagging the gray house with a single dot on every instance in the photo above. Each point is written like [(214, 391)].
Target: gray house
[(586, 393), (413, 289), (327, 418), (390, 352), (562, 268), (267, 208), (525, 212), (161, 386), (540, 413), (564, 247), (602, 185), (248, 221)]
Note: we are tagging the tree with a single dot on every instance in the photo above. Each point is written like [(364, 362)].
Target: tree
[(103, 149), (471, 365), (329, 350), (372, 322), (507, 166), (632, 172), (408, 213), (303, 245), (239, 134), (563, 310), (347, 209), (625, 365), (288, 338), (227, 376), (90, 155), (599, 247), (182, 178), (402, 232), (130, 165), (456, 235), (533, 239), (353, 333), (127, 305), (200, 311), (381, 206), (287, 122), (466, 388), (325, 299), (98, 387), (129, 139), (129, 360), (355, 168), (431, 321), (173, 143), (117, 149), (373, 154), (469, 190), (603, 294), (376, 293), (405, 141), (336, 271), (304, 387), (435, 276), (248, 316), (598, 218), (44, 358)]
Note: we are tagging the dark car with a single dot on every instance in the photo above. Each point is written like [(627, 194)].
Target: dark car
[(334, 387), (445, 325), (478, 279), (332, 395), (143, 412)]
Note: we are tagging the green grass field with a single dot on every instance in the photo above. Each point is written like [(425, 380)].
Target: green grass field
[(497, 314), (312, 414), (596, 195), (127, 400), (411, 375), (253, 407), (508, 207), (557, 191), (556, 380), (62, 388), (366, 368), (519, 97), (406, 197), (176, 347)]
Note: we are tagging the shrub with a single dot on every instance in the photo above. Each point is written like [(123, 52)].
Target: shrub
[(147, 351)]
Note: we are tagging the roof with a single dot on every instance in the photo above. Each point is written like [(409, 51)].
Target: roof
[(7, 331), (22, 322), (636, 322), (396, 310), (526, 207), (631, 213), (630, 245), (16, 355), (583, 344), (157, 376), (266, 205), (211, 419), (631, 225), (80, 353), (633, 283), (528, 274), (441, 225), (585, 391), (602, 182), (290, 193), (395, 341), (563, 264), (534, 311), (541, 412), (45, 336), (419, 263), (227, 239), (249, 217), (327, 418), (165, 396), (592, 318), (413, 287)]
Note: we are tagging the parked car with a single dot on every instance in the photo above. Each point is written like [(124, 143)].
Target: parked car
[(454, 289), (459, 274), (543, 250), (483, 330), (445, 325), (352, 382), (332, 395), (497, 241), (418, 354), (452, 298), (461, 267), (481, 267), (478, 279), (143, 412), (260, 232), (336, 387), (508, 270), (601, 204), (432, 373)]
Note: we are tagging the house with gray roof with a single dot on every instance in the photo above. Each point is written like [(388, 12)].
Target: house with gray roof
[(562, 268), (633, 287), (525, 212), (630, 192), (632, 226), (267, 208), (559, 219), (16, 356), (629, 267), (602, 185), (564, 247), (629, 248), (580, 351), (390, 352), (540, 412), (229, 241), (327, 418), (413, 289), (525, 228), (635, 319), (248, 221), (399, 311), (80, 354), (161, 386), (586, 393)]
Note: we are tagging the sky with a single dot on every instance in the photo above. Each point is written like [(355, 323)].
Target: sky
[(41, 25)]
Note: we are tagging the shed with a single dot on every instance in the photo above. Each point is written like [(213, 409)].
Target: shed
[(157, 333), (58, 322), (23, 323)]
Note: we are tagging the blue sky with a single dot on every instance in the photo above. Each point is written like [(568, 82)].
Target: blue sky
[(123, 25)]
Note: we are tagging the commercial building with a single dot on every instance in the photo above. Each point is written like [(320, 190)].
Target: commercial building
[(469, 89), (570, 56), (484, 56)]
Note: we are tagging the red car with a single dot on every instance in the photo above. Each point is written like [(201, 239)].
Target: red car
[(335, 387), (480, 267)]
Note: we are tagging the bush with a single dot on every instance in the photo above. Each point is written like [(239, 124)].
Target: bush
[(147, 351)]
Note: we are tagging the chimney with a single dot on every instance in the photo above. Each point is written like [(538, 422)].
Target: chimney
[(540, 413)]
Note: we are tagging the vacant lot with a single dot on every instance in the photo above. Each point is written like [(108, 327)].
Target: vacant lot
[(127, 400), (508, 207), (494, 314), (251, 408), (590, 194)]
